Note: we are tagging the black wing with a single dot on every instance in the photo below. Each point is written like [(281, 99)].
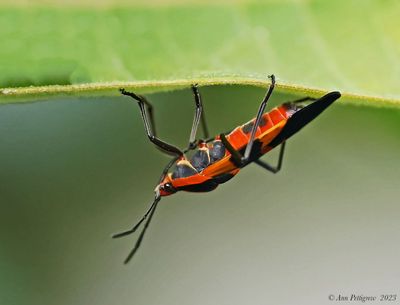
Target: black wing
[(304, 116)]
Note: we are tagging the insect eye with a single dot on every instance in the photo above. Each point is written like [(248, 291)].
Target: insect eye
[(168, 187)]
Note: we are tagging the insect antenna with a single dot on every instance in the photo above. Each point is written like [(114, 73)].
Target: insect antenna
[(150, 213)]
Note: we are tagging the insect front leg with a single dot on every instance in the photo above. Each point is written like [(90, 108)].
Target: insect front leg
[(198, 117), (146, 111)]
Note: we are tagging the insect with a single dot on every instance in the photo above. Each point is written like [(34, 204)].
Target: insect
[(216, 160)]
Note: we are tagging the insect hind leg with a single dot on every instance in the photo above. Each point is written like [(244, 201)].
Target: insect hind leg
[(276, 168), (237, 158), (257, 121)]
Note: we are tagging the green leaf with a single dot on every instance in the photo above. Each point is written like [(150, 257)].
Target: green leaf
[(311, 46)]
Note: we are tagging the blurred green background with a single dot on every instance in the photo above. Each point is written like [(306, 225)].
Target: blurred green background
[(77, 169), (74, 171)]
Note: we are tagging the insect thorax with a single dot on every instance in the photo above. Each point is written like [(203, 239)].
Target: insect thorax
[(205, 155)]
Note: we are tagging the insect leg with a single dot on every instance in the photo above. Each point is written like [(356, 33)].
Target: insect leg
[(258, 119), (149, 125), (150, 212), (198, 117), (236, 156), (273, 169)]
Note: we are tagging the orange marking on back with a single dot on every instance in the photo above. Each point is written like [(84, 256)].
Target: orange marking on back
[(268, 136), (226, 166), (276, 116), (237, 138), (268, 124), (283, 110)]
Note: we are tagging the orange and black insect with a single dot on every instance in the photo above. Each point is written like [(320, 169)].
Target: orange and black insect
[(216, 160)]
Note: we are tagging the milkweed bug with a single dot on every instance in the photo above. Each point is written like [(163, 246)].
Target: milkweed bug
[(216, 160)]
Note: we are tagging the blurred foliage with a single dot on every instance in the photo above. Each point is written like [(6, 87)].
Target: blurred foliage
[(352, 46), (77, 170)]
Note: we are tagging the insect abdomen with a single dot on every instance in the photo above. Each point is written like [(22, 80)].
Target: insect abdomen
[(240, 136)]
